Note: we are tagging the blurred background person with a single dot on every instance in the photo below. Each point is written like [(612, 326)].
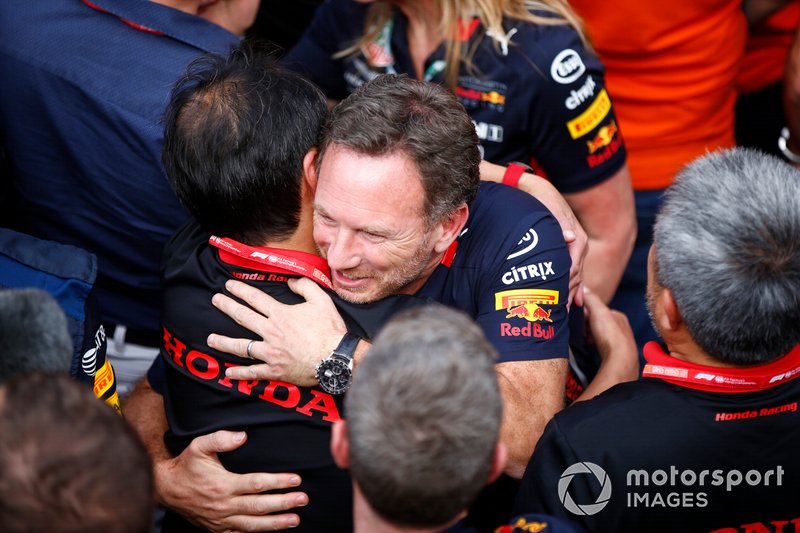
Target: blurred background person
[(759, 105), (33, 334), (68, 463)]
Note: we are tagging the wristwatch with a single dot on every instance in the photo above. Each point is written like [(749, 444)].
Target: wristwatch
[(335, 374)]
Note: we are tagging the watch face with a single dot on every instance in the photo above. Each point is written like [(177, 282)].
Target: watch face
[(334, 376)]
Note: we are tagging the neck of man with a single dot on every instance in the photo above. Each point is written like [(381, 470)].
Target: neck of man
[(682, 346), (187, 6), (366, 520), (302, 239)]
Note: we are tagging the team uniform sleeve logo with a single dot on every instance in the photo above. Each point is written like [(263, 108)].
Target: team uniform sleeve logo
[(525, 315)]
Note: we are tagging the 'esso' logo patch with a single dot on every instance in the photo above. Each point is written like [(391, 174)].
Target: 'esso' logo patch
[(567, 66)]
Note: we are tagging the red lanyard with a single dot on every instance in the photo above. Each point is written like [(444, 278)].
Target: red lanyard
[(275, 258), (716, 379)]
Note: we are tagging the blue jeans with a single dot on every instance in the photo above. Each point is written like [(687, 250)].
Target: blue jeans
[(630, 296)]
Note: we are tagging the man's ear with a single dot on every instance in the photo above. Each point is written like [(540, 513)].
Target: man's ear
[(340, 446), (672, 315), (499, 458), (666, 313), (310, 169), (446, 231)]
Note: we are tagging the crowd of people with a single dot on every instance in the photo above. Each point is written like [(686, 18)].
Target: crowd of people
[(434, 265)]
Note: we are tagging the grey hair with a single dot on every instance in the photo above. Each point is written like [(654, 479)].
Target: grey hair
[(424, 417), (33, 333), (394, 113), (727, 244)]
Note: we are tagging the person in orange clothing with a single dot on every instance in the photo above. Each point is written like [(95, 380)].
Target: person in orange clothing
[(671, 67)]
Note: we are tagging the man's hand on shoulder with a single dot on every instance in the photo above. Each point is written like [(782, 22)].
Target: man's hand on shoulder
[(295, 338)]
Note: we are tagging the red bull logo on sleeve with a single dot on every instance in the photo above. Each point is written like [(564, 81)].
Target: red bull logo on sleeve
[(603, 138), (525, 303), (530, 311), (469, 94)]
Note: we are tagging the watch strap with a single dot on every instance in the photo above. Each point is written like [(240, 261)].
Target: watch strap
[(347, 346)]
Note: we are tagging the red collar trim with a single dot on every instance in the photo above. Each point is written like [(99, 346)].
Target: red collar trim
[(467, 27), (449, 254), (278, 260), (130, 23), (714, 379)]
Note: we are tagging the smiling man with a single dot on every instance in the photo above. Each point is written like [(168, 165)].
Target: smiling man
[(399, 209), (389, 254)]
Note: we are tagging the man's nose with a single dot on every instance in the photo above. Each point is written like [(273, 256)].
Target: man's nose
[(343, 251)]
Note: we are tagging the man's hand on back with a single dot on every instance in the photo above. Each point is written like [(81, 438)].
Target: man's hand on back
[(197, 485)]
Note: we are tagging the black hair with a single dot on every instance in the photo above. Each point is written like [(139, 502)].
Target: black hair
[(237, 130)]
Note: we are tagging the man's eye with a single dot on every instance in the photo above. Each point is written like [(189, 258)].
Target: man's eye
[(328, 221), (375, 237)]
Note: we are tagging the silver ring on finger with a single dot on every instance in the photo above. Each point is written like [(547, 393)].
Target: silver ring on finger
[(249, 349)]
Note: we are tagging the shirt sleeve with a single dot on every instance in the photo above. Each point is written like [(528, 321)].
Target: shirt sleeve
[(575, 137), (539, 488), (155, 375), (522, 301)]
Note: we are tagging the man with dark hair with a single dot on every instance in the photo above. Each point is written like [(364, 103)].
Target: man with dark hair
[(423, 420), (68, 462), (238, 149), (708, 439)]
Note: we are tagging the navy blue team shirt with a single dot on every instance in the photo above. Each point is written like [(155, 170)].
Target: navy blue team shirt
[(539, 99)]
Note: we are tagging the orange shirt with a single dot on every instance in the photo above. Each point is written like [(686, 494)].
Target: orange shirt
[(767, 48), (670, 70)]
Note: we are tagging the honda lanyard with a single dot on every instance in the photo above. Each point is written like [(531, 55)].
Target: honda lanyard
[(272, 257)]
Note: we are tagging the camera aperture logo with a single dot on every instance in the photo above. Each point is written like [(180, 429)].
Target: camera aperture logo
[(584, 509), (670, 487)]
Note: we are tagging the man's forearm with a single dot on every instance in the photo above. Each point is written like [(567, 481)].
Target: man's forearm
[(532, 391), (144, 410), (608, 214), (605, 263)]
